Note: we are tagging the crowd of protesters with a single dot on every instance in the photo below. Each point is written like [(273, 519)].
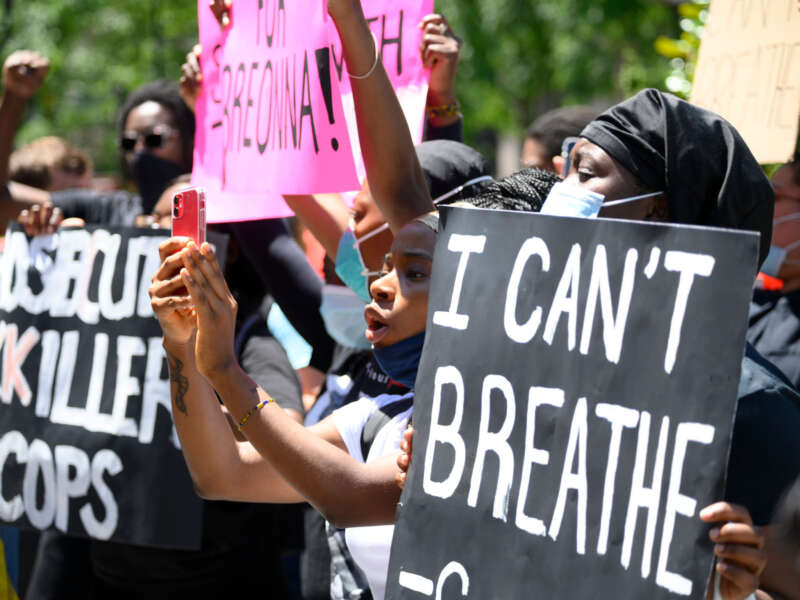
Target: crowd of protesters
[(301, 475)]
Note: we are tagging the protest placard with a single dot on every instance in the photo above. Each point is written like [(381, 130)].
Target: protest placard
[(574, 408), (748, 71), (87, 444), (397, 36), (269, 116)]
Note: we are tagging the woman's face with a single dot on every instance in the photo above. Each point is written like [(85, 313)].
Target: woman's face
[(592, 168), (148, 118), (399, 304), (366, 218)]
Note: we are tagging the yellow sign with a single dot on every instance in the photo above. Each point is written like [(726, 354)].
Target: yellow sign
[(749, 72)]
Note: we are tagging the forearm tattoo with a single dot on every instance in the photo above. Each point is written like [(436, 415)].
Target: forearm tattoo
[(177, 377)]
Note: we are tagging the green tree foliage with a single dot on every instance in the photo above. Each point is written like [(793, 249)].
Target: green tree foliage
[(682, 51), (523, 57), (99, 51)]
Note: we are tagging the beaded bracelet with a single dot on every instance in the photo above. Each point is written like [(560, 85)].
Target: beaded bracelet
[(445, 110), (255, 409)]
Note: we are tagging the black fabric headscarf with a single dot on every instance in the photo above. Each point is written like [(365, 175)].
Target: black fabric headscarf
[(698, 159), (447, 165)]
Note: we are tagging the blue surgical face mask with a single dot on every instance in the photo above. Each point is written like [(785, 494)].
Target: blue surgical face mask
[(566, 200), (350, 265), (342, 311), (777, 256), (400, 361)]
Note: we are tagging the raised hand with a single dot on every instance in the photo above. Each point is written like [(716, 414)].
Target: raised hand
[(191, 77), (739, 549), (215, 308), (168, 296), (440, 49), (23, 73)]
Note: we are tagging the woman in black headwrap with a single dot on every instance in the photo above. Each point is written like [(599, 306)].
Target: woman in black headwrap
[(655, 142)]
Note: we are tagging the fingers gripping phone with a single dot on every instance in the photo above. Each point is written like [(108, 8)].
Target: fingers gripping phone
[(189, 214)]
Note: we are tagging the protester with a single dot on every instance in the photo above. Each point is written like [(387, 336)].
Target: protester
[(775, 313), (348, 497), (545, 136), (52, 164), (664, 155)]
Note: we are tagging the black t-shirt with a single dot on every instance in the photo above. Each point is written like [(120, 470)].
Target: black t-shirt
[(774, 330), (240, 546), (99, 208), (765, 450)]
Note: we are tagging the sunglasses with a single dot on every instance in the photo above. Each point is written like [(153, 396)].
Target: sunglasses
[(152, 140)]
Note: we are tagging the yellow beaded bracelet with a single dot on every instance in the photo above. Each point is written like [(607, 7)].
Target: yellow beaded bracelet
[(255, 409)]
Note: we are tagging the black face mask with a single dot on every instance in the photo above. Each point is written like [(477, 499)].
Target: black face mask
[(153, 175)]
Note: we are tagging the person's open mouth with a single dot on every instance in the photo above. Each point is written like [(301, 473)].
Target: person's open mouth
[(377, 328)]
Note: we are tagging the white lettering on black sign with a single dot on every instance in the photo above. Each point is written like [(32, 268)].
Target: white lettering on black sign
[(88, 446), (567, 433)]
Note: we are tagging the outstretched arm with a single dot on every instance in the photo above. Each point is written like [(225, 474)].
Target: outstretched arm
[(221, 466), (325, 215), (393, 171), (344, 490), (23, 74)]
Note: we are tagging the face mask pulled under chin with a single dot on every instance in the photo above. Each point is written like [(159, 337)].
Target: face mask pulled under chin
[(567, 200), (400, 360), (153, 175), (342, 311)]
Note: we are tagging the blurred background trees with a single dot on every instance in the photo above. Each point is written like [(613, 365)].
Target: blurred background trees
[(520, 58)]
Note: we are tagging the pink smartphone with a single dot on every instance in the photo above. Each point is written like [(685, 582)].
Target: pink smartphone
[(189, 214)]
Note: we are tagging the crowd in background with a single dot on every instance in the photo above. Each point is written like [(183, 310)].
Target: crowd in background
[(308, 416)]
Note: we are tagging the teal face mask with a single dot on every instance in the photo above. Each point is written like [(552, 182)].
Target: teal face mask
[(343, 313), (350, 265)]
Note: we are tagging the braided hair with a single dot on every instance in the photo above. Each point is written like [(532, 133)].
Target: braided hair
[(525, 191)]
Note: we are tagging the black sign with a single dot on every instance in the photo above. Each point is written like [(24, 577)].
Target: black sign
[(574, 408), (87, 444)]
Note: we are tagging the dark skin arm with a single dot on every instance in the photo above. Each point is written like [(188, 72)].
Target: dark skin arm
[(395, 176), (24, 72), (311, 461), (440, 49)]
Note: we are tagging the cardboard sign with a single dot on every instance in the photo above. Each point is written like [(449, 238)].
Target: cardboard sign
[(87, 444), (749, 72), (269, 116), (397, 36), (574, 408)]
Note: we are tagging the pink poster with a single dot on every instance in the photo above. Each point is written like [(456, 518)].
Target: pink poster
[(269, 118), (394, 25)]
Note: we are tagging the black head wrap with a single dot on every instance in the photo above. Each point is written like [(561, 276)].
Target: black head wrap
[(698, 159), (447, 165)]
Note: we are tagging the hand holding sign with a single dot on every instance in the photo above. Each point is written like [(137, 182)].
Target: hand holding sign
[(739, 548), (191, 77), (40, 219), (215, 307), (221, 10)]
